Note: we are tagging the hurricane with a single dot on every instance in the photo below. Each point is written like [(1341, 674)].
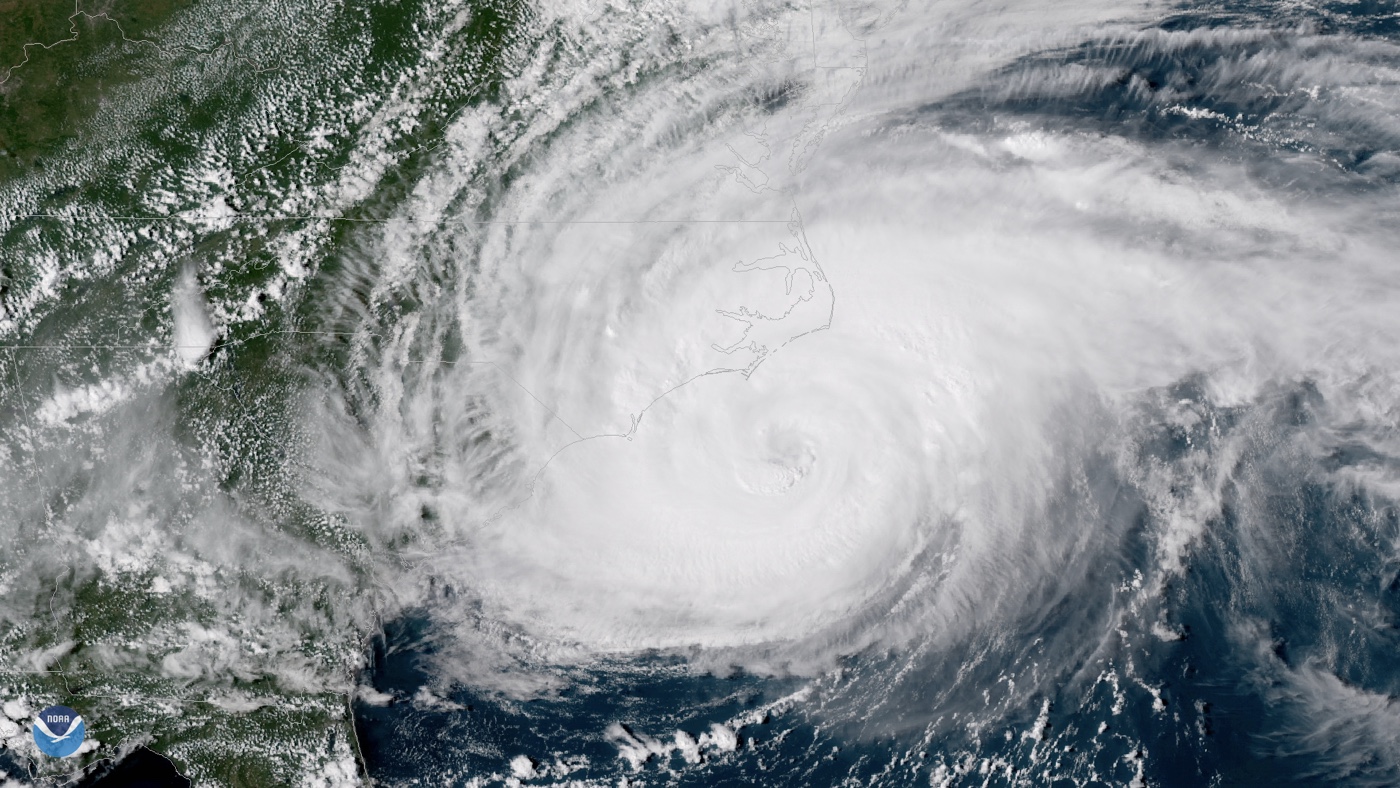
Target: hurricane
[(763, 393)]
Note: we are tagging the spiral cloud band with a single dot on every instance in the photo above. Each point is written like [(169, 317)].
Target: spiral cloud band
[(797, 346)]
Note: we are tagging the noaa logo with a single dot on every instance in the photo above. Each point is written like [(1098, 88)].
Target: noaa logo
[(58, 730)]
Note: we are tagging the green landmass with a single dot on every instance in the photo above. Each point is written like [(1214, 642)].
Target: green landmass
[(90, 128), (56, 63)]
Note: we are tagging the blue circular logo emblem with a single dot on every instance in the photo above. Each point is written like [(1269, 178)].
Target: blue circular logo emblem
[(58, 730)]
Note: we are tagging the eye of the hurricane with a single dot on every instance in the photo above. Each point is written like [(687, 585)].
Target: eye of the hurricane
[(787, 457), (741, 510)]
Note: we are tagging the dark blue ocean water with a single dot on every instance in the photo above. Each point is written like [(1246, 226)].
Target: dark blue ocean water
[(1279, 666), (141, 769)]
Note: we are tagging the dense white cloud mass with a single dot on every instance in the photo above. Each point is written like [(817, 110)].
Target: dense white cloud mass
[(795, 351)]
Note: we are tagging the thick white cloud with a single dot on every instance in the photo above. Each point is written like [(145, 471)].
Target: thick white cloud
[(782, 353)]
